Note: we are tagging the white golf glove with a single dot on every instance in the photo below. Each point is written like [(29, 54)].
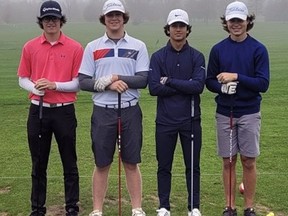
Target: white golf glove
[(163, 80), (38, 92), (102, 83), (229, 88)]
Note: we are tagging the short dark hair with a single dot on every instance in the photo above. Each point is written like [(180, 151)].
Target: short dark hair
[(63, 20), (125, 18), (250, 19), (166, 30)]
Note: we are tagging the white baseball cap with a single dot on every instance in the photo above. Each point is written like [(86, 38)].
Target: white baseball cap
[(236, 9), (113, 5), (178, 15)]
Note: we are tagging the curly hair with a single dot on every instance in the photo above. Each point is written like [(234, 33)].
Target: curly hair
[(63, 20), (125, 18), (250, 20), (166, 30)]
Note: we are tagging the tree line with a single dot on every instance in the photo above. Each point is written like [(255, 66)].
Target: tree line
[(20, 11)]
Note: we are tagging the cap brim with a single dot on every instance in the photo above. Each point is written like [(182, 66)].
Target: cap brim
[(177, 20), (51, 14), (239, 16), (108, 11)]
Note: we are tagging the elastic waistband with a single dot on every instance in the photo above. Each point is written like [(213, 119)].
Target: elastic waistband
[(50, 105), (123, 104)]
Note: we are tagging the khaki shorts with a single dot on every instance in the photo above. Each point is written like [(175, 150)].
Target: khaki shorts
[(245, 135)]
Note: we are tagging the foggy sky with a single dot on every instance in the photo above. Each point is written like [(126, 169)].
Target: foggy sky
[(19, 11)]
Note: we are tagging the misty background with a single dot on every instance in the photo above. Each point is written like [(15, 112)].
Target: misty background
[(25, 11)]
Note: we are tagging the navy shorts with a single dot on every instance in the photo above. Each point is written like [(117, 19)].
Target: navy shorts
[(104, 125)]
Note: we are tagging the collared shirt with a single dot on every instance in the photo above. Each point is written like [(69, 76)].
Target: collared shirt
[(103, 57), (59, 62), (185, 70)]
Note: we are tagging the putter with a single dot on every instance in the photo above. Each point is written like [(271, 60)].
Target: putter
[(192, 152), (230, 158), (119, 153)]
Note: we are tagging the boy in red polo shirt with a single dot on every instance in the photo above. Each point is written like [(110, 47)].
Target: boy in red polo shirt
[(48, 70)]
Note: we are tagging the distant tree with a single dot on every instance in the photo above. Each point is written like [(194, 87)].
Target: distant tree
[(204, 10), (255, 6), (92, 10), (74, 9), (151, 10), (276, 10), (5, 11), (138, 10)]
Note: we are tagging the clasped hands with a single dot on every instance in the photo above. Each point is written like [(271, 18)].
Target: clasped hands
[(41, 85), (112, 82), (228, 82)]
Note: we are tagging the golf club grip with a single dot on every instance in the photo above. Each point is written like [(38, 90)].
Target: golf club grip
[(41, 108)]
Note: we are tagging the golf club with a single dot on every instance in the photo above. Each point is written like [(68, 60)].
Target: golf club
[(192, 152), (119, 153), (230, 157), (39, 145)]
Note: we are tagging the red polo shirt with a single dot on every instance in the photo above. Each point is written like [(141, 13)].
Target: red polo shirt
[(59, 62)]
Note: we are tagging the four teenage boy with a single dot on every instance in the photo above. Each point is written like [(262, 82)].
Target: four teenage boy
[(118, 64)]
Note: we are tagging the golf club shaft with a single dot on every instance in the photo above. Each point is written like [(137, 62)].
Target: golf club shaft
[(192, 152), (39, 145), (119, 154), (230, 157)]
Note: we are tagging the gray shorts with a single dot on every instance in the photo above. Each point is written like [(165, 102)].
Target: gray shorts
[(245, 135), (104, 134)]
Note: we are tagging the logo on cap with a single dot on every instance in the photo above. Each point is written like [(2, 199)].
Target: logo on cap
[(178, 15), (113, 5), (50, 8), (236, 9)]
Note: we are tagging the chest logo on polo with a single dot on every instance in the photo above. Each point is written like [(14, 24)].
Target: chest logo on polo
[(128, 53), (103, 53)]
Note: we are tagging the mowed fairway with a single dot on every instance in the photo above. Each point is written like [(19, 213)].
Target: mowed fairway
[(15, 162)]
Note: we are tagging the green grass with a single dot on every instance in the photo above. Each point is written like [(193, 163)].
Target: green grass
[(15, 162)]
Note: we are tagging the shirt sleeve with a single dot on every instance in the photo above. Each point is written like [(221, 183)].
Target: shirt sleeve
[(142, 63), (87, 66), (154, 75), (71, 86)]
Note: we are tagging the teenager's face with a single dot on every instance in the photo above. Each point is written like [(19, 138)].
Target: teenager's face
[(237, 27), (51, 24), (114, 20), (178, 31)]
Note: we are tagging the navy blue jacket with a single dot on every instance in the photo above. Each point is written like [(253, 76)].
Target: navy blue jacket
[(249, 59), (185, 70)]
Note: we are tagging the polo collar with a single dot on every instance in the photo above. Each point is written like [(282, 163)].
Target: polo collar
[(125, 38), (61, 39)]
